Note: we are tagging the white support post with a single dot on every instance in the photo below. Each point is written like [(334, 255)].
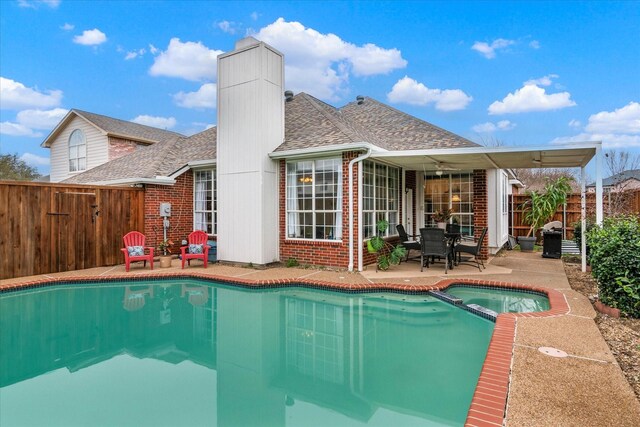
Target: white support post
[(599, 210), (583, 218)]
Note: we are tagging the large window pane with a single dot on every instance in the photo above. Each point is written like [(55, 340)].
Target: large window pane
[(380, 197), (314, 199), (454, 191), (204, 201)]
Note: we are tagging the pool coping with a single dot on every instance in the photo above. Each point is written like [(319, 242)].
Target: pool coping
[(489, 402)]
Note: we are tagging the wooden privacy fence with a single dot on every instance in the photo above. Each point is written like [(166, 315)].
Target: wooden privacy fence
[(48, 228), (570, 213)]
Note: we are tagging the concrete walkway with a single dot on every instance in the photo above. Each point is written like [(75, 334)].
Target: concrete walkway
[(587, 388)]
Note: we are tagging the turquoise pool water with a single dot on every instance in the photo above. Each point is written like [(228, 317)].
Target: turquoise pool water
[(501, 300), (188, 353)]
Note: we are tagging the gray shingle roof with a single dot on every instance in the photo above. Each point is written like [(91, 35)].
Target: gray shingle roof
[(160, 159), (619, 178), (311, 123), (125, 128)]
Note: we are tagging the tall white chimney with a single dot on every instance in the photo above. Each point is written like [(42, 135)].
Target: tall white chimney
[(250, 126)]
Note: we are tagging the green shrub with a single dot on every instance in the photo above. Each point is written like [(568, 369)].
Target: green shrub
[(292, 262), (614, 255), (577, 231)]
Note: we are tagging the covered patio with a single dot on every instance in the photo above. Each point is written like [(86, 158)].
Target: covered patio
[(439, 161)]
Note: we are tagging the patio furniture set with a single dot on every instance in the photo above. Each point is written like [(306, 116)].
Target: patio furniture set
[(135, 250), (447, 244)]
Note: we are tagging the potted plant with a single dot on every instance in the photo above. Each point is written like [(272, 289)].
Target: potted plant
[(540, 208), (441, 217), (165, 247), (388, 254)]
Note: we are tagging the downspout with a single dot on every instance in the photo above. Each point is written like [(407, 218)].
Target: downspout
[(351, 163)]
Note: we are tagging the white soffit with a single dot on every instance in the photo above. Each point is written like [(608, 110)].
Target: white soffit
[(553, 156)]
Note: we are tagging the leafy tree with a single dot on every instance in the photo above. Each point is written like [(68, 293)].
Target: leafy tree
[(11, 167)]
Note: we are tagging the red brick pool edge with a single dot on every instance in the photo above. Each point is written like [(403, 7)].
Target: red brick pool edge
[(489, 403)]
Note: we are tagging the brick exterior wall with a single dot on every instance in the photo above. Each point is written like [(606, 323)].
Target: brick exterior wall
[(119, 147), (480, 205), (180, 195), (324, 253)]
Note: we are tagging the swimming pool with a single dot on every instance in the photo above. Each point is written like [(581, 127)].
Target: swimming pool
[(186, 352)]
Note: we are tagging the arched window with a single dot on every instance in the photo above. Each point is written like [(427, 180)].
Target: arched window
[(77, 151)]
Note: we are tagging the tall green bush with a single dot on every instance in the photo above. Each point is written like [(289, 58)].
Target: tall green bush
[(614, 255)]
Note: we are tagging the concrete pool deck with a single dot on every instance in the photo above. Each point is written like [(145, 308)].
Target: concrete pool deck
[(585, 388)]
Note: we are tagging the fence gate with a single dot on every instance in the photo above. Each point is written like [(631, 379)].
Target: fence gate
[(48, 228)]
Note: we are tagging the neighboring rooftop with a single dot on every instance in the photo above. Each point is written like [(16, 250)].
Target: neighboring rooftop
[(619, 178), (115, 127)]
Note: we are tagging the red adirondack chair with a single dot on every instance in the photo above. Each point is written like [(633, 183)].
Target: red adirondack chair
[(135, 238), (196, 238)]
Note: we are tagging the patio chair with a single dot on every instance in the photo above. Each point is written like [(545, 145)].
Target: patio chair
[(472, 249), (406, 242), (134, 249), (434, 244), (197, 248)]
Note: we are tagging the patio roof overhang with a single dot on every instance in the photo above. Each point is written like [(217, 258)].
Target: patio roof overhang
[(469, 158)]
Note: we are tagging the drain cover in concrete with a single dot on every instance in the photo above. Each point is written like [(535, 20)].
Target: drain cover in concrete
[(553, 352)]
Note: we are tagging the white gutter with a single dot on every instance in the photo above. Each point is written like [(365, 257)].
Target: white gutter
[(191, 165), (351, 163), (329, 149)]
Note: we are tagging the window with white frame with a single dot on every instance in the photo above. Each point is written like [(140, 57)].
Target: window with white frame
[(205, 206), (314, 199), (77, 151), (380, 193), (453, 191)]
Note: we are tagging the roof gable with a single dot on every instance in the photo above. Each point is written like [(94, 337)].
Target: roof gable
[(113, 127)]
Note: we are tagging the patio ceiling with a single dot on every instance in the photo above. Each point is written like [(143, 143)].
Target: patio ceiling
[(560, 156)]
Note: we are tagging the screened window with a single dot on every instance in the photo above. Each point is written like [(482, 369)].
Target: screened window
[(380, 188), (454, 191), (77, 151), (205, 209), (314, 199)]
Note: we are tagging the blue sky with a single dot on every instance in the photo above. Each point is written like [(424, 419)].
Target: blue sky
[(524, 73)]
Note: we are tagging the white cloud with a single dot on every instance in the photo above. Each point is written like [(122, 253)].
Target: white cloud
[(575, 123), (34, 4), (534, 44), (34, 160), (624, 120), (67, 27), (134, 54), (489, 127), (230, 27), (153, 49), (617, 129), (531, 97), (254, 16), (205, 97), (609, 140), (156, 122), (29, 120), (14, 95), (41, 119), (188, 60), (409, 91), (91, 37), (16, 129), (542, 81), (489, 50), (321, 63)]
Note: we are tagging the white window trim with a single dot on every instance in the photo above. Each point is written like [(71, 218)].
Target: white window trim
[(214, 225), (313, 211), (84, 138)]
